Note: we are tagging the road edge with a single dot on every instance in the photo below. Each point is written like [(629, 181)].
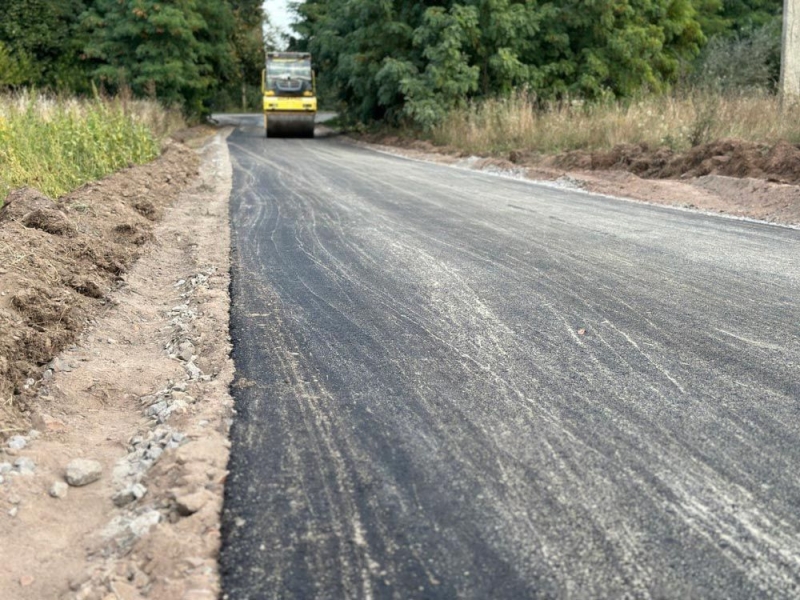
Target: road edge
[(594, 184)]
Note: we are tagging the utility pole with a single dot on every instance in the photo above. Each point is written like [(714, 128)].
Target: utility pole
[(790, 55)]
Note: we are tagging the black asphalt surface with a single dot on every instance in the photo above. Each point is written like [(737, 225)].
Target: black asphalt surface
[(457, 385)]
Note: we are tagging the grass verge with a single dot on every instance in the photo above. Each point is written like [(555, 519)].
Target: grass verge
[(679, 122), (57, 144)]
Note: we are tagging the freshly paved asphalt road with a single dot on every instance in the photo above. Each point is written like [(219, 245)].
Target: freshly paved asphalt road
[(452, 384)]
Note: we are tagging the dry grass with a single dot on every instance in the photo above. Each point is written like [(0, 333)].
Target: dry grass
[(517, 123), (58, 144)]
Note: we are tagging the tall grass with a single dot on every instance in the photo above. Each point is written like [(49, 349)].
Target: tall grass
[(58, 144), (677, 121)]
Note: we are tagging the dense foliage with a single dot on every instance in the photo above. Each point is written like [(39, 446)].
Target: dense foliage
[(183, 52), (396, 60), (415, 61), (41, 42)]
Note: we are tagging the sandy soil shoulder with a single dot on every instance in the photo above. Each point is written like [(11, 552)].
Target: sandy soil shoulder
[(142, 392)]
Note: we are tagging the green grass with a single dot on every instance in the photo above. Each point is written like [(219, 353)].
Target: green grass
[(57, 144)]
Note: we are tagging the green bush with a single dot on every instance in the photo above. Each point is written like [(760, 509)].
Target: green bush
[(745, 61)]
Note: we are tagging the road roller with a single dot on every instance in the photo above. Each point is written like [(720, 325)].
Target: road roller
[(290, 100)]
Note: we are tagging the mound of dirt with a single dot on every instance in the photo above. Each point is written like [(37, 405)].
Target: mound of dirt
[(779, 163), (36, 211), (59, 258)]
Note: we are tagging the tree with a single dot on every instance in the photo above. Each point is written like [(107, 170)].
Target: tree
[(43, 39), (14, 70), (175, 50), (397, 59), (441, 43), (248, 45), (746, 15), (744, 51), (790, 63), (615, 47)]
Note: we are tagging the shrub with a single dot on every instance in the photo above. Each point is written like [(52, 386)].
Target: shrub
[(742, 62)]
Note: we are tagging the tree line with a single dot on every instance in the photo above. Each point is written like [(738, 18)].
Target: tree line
[(409, 61), (191, 53)]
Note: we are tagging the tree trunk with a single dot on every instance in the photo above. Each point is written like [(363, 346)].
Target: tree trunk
[(790, 57)]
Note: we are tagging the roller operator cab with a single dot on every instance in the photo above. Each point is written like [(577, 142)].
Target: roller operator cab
[(290, 100)]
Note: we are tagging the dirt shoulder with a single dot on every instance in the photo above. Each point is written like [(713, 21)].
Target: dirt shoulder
[(737, 178), (135, 308)]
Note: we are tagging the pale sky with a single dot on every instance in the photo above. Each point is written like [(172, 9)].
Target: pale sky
[(279, 14)]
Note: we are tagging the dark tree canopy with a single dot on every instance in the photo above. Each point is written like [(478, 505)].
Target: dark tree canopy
[(400, 60), (381, 59), (42, 43), (171, 50), (743, 15), (180, 51)]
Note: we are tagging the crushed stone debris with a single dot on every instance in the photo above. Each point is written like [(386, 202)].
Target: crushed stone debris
[(17, 442)]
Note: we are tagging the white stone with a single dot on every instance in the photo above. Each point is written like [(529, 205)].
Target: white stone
[(156, 408), (186, 351), (141, 525), (184, 397), (59, 489), (17, 442), (82, 471), (25, 465), (129, 494), (193, 370)]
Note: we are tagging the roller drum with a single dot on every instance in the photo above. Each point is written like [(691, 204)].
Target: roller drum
[(290, 125)]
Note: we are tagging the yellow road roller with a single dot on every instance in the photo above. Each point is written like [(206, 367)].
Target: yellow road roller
[(290, 100)]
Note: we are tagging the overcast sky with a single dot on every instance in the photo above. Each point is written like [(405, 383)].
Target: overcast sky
[(279, 14)]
